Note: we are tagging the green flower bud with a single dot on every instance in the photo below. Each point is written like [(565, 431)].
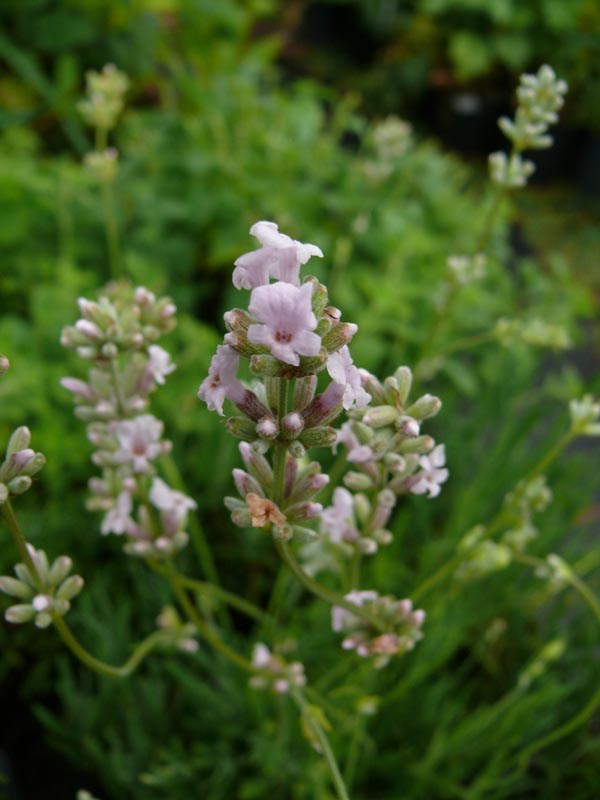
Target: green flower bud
[(70, 588), (16, 588), (59, 570), (380, 416), (19, 614), (319, 437), (19, 484), (425, 407), (19, 440), (358, 481)]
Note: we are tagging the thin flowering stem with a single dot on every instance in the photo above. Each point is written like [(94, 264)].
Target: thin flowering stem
[(212, 590), (144, 648), (19, 540), (329, 596), (203, 629), (323, 741)]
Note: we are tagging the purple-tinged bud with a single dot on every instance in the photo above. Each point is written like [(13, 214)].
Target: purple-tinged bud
[(304, 391), (421, 444), (267, 428), (380, 416), (249, 404), (325, 406), (237, 320), (88, 329), (358, 481), (386, 500), (168, 311), (403, 376), (418, 617), (408, 426), (241, 428), (319, 437), (303, 511), (15, 463), (339, 336), (405, 607), (290, 475), (34, 464), (425, 407), (292, 425), (144, 297), (245, 483), (78, 387), (309, 484), (256, 464), (20, 439), (86, 307), (333, 313), (4, 364)]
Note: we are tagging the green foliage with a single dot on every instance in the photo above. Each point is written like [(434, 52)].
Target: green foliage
[(214, 141)]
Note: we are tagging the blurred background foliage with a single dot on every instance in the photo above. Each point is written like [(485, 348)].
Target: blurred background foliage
[(240, 111)]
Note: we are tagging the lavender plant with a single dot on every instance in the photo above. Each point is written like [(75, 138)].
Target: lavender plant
[(285, 383)]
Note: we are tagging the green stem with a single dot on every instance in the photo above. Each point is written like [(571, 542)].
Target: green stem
[(207, 633), (323, 741), (20, 541), (126, 669), (353, 752), (212, 590), (328, 595)]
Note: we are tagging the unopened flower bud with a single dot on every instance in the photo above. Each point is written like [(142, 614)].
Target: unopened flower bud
[(296, 449), (20, 484), (320, 297), (237, 320), (408, 426), (358, 481), (70, 588), (380, 416), (319, 437), (256, 464), (292, 425), (19, 440), (242, 428), (245, 483), (339, 336), (362, 507), (325, 406), (403, 376), (249, 404), (425, 407), (303, 511), (4, 364), (420, 444), (304, 391), (267, 427)]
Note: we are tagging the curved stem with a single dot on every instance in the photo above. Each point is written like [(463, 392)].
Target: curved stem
[(20, 541), (321, 591), (141, 651), (202, 628), (323, 741)]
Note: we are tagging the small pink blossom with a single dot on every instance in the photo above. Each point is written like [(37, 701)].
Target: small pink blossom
[(170, 500), (118, 520), (159, 364), (342, 370), (432, 473), (280, 257), (357, 453), (341, 619), (337, 521), (221, 381), (139, 441), (288, 321)]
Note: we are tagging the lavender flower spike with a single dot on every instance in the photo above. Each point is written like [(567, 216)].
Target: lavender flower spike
[(280, 257), (288, 321), (221, 382)]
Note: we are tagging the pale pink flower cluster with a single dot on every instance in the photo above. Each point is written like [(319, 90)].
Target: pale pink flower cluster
[(274, 673), (432, 473)]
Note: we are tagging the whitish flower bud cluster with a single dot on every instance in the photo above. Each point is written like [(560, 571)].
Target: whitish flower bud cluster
[(534, 332), (105, 96), (483, 556), (180, 635), (123, 320), (390, 139), (402, 625), (20, 464), (274, 673), (49, 592), (540, 97), (585, 416), (121, 329), (556, 571), (4, 364)]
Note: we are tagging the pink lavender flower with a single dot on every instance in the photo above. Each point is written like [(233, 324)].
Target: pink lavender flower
[(288, 321), (337, 521), (432, 473), (341, 619), (357, 453), (170, 501), (280, 257), (342, 370), (221, 381), (118, 520), (139, 441), (159, 364)]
